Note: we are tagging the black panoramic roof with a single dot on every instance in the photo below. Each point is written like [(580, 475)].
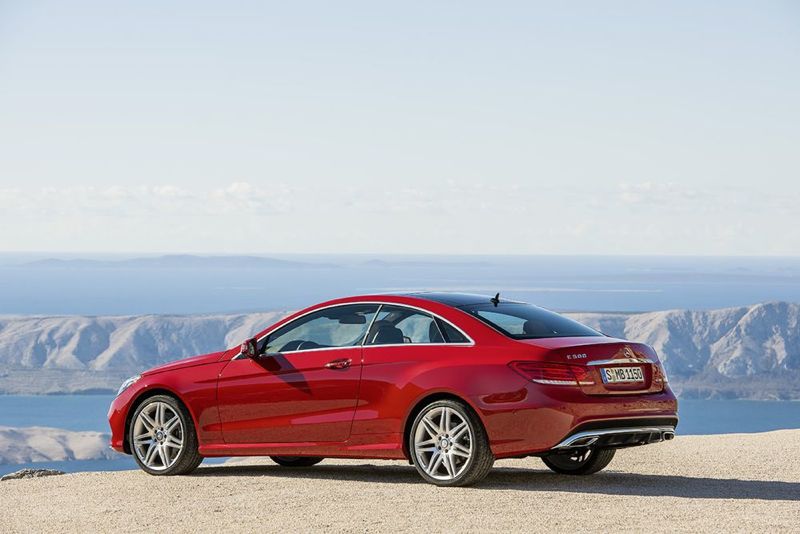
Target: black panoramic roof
[(452, 299)]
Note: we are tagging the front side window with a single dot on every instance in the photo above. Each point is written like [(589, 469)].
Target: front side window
[(340, 326), (396, 325), (524, 321)]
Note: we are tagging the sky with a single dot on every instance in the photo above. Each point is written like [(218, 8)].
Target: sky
[(400, 127)]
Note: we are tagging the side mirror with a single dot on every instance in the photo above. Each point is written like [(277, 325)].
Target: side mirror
[(250, 348)]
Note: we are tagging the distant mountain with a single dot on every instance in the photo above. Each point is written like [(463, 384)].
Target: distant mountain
[(745, 352), (91, 354), (41, 444), (446, 264), (179, 261)]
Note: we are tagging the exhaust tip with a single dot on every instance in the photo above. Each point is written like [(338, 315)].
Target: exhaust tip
[(584, 442), (668, 436)]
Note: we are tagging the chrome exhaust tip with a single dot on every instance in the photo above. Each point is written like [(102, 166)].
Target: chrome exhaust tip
[(617, 437), (584, 442)]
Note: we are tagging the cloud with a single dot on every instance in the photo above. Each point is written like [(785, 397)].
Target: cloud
[(244, 197), (170, 191), (445, 198), (657, 193), (145, 201), (413, 215)]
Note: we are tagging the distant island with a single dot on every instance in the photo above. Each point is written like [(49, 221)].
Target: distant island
[(41, 444), (178, 261), (748, 352)]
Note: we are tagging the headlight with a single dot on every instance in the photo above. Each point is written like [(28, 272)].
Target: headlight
[(128, 383)]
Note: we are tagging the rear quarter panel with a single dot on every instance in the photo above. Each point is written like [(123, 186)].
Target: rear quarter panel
[(520, 417), (396, 378)]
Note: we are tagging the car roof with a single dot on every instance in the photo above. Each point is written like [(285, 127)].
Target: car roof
[(408, 298), (449, 299)]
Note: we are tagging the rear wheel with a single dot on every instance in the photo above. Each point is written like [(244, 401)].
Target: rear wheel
[(449, 446), (584, 462), (162, 437), (296, 461)]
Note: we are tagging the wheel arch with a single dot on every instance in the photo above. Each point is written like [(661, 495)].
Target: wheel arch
[(425, 400)]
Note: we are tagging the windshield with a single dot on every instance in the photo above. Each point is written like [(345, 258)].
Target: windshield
[(524, 321)]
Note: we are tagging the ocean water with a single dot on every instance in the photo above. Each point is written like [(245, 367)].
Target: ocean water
[(71, 412), (567, 283), (88, 412)]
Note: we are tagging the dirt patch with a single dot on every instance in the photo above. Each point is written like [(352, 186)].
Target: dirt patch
[(734, 482)]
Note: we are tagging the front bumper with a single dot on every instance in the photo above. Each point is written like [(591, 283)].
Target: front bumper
[(117, 419)]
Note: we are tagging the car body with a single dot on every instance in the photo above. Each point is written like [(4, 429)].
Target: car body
[(358, 395)]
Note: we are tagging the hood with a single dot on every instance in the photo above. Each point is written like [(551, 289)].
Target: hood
[(187, 362)]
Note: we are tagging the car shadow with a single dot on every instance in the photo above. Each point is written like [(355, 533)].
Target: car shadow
[(508, 478)]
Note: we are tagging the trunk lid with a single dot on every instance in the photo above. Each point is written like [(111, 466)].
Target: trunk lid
[(613, 365)]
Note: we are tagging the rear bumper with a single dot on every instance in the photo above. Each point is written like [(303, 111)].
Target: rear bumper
[(617, 437), (539, 419)]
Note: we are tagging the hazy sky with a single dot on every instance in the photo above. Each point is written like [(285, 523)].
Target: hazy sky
[(409, 127)]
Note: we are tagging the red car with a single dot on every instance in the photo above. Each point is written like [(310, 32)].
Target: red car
[(450, 382)]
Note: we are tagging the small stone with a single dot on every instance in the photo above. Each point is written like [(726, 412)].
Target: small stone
[(31, 473)]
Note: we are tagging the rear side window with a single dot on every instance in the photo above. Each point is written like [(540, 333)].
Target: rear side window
[(395, 325), (451, 335), (524, 321)]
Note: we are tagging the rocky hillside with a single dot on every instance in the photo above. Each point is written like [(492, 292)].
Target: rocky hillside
[(125, 343), (76, 354), (746, 352)]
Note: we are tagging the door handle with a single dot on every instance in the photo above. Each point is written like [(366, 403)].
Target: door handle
[(339, 364)]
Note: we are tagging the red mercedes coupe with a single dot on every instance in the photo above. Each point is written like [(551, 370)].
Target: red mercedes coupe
[(449, 382)]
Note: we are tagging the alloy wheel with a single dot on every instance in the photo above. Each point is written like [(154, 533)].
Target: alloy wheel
[(158, 436), (443, 443)]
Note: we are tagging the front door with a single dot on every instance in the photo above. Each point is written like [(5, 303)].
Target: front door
[(304, 387)]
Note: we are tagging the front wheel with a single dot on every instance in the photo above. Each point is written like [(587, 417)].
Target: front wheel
[(162, 437), (296, 461), (584, 462), (449, 446)]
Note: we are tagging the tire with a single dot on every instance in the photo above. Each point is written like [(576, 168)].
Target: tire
[(580, 463), (296, 461), (449, 446), (169, 447)]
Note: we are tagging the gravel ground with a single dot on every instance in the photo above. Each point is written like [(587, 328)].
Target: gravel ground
[(734, 482)]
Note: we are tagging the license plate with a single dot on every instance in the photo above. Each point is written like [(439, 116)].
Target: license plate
[(621, 375)]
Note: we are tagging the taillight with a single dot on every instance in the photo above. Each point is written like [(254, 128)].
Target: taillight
[(554, 374), (660, 373)]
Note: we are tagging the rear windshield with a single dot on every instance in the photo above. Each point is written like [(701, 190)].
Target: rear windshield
[(524, 321)]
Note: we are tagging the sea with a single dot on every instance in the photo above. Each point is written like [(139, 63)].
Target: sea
[(88, 412), (32, 284)]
